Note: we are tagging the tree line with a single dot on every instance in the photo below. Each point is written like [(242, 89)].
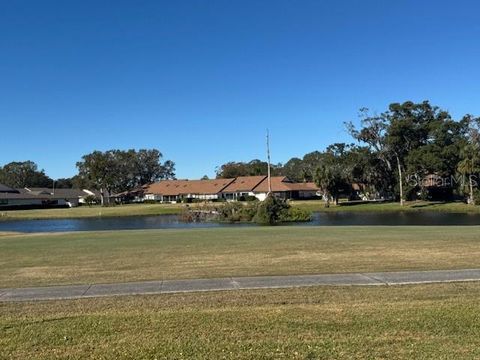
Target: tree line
[(399, 153), (410, 151), (108, 172)]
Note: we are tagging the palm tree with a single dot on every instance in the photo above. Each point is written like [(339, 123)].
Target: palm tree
[(470, 165)]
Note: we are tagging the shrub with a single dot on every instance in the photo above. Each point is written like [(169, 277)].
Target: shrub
[(91, 200), (150, 201), (271, 211), (296, 215)]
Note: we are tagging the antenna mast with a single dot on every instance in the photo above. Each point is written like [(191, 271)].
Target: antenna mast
[(268, 162)]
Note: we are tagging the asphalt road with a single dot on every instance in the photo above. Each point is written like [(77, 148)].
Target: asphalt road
[(237, 283)]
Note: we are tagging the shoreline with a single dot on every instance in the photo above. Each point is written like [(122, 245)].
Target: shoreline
[(176, 209)]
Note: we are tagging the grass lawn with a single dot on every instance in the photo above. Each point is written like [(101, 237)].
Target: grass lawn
[(92, 211), (117, 256), (454, 207), (437, 321)]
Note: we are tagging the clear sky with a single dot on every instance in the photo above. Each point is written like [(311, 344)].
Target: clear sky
[(202, 80)]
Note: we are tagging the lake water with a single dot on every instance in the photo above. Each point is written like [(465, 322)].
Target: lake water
[(173, 222)]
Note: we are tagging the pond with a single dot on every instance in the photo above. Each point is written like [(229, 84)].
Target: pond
[(173, 221)]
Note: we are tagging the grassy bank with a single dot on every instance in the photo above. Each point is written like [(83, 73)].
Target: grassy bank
[(407, 322), (97, 257), (453, 207), (93, 211)]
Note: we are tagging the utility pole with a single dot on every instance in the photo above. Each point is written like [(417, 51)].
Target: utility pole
[(268, 162)]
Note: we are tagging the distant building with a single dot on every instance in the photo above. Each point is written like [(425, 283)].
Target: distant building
[(284, 188), (175, 190), (242, 187), (29, 198), (235, 189)]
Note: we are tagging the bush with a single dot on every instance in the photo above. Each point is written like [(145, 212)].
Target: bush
[(91, 200), (476, 196), (236, 212), (271, 211), (296, 215)]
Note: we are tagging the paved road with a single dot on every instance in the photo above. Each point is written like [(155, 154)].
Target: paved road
[(237, 283)]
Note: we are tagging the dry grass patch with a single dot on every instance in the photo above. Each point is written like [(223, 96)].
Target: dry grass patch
[(99, 257), (437, 321)]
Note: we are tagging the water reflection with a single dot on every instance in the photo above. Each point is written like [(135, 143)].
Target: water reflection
[(173, 222)]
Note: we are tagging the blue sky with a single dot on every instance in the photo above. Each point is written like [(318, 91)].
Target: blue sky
[(202, 80)]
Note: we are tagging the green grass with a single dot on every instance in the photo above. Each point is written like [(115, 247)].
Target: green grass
[(117, 256), (452, 207), (93, 211), (438, 321)]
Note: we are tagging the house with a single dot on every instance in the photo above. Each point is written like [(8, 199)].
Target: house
[(176, 190), (222, 189), (11, 199), (5, 189), (283, 187), (242, 187), (30, 198), (136, 195), (73, 197)]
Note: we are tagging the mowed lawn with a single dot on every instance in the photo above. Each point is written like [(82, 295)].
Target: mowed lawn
[(415, 206), (92, 211), (118, 256), (437, 321)]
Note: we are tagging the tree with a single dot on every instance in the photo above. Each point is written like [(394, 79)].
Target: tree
[(270, 211), (294, 169), (311, 162), (469, 166), (253, 168), (24, 174), (99, 170), (417, 138), (373, 133), (334, 174), (148, 167), (64, 183), (118, 170)]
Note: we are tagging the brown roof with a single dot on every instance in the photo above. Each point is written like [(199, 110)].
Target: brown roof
[(279, 183), (283, 183), (244, 183), (303, 186), (184, 187)]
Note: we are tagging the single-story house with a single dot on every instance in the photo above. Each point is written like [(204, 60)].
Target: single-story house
[(175, 190), (41, 197), (5, 189), (228, 189), (284, 188), (73, 197), (242, 187), (11, 200), (136, 195)]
